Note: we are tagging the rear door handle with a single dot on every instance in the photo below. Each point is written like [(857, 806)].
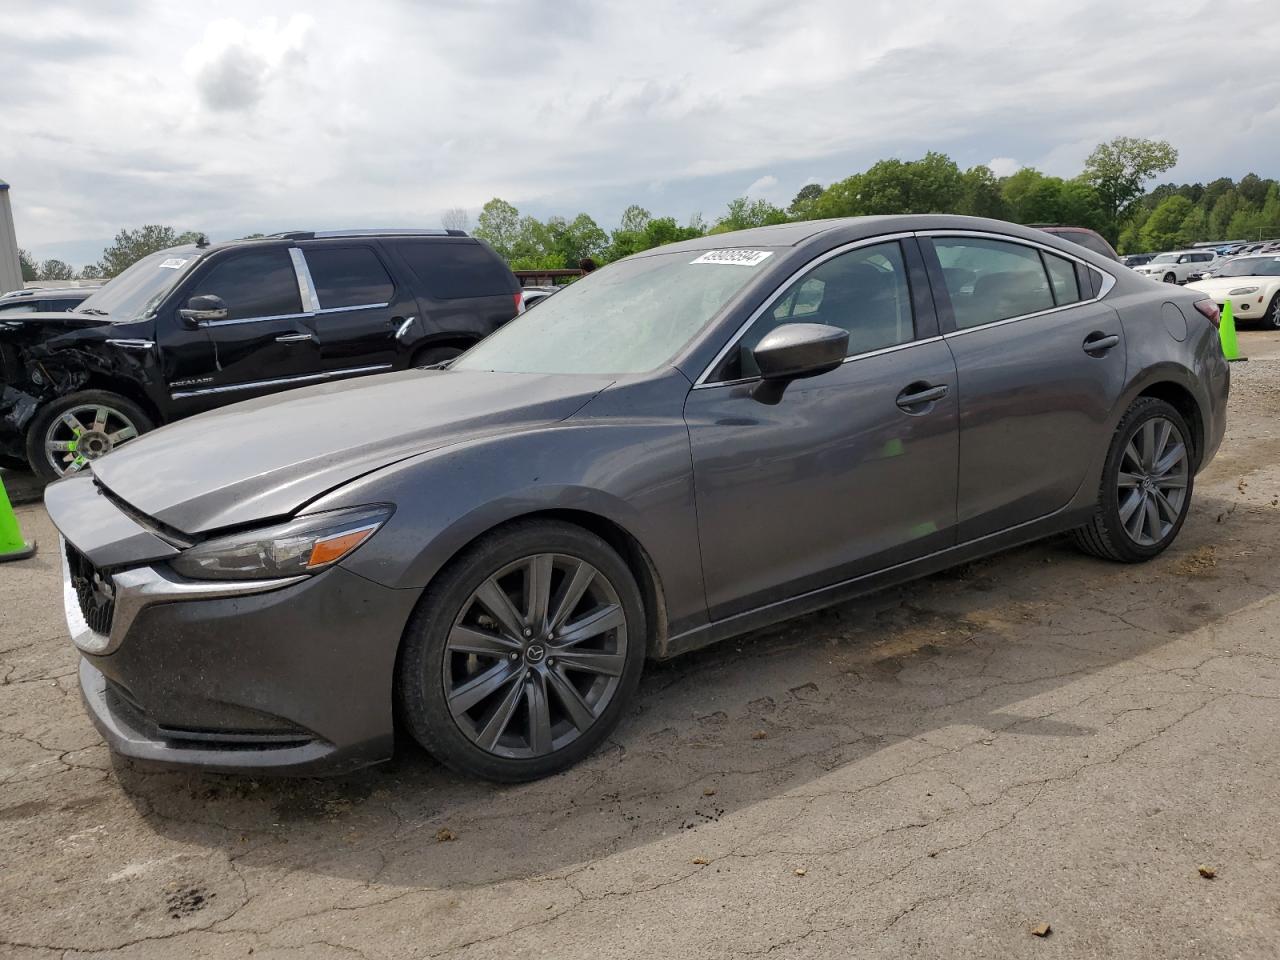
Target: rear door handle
[(1098, 343), (918, 394), (293, 337), (404, 324)]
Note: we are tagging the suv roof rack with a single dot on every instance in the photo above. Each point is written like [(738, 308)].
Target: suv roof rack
[(373, 232)]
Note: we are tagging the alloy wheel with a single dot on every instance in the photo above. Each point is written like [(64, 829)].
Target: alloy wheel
[(85, 433), (535, 656), (1152, 483)]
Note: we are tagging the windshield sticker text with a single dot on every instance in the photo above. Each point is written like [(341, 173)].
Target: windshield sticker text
[(173, 263), (739, 258)]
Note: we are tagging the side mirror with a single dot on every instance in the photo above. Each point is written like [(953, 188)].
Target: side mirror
[(203, 309), (795, 351)]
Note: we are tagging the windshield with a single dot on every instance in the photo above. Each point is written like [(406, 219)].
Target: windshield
[(629, 317), (1166, 258), (1251, 267), (137, 291)]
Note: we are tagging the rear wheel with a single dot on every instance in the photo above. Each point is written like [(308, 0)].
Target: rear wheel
[(71, 431), (522, 656), (430, 356), (1146, 485)]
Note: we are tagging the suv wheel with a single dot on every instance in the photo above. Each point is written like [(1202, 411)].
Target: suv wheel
[(1170, 277), (1146, 485), (430, 356), (523, 654), (72, 430)]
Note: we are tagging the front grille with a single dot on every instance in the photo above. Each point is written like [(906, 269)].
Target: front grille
[(94, 591)]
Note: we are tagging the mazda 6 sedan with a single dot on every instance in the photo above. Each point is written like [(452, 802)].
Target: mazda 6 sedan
[(693, 442)]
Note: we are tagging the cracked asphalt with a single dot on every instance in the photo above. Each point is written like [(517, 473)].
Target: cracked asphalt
[(930, 772)]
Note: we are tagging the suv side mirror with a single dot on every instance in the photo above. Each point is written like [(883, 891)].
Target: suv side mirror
[(795, 351), (203, 309)]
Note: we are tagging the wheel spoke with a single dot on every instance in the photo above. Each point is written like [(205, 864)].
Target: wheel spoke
[(473, 691), (76, 465), (571, 593), (463, 639), (1148, 444), (495, 600), (592, 625), (1131, 504), (537, 590), (1163, 431), (60, 446), (501, 719), (100, 420), (1133, 526), (1170, 460), (1172, 482), (74, 425), (580, 714), (1165, 506), (539, 715), (1131, 451), (123, 434), (1127, 480), (592, 661), (1152, 524)]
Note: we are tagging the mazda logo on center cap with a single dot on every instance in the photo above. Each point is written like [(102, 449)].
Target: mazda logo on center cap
[(535, 652)]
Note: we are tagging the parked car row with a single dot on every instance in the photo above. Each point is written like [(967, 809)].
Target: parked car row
[(193, 328)]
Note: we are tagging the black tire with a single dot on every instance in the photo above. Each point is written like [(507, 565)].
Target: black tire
[(1105, 535), (1271, 319), (40, 463), (426, 660), (430, 356), (1170, 278)]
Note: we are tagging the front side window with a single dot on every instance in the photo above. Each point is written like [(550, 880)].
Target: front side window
[(348, 277), (864, 291), (253, 283), (991, 280)]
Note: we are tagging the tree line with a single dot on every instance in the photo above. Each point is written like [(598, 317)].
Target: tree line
[(1109, 195)]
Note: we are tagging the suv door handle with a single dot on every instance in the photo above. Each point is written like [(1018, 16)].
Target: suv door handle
[(293, 337), (1098, 343), (918, 394), (404, 323)]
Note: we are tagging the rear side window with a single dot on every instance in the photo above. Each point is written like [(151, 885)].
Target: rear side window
[(991, 280), (1089, 241), (348, 277), (254, 283), (1062, 275), (456, 270), (28, 306)]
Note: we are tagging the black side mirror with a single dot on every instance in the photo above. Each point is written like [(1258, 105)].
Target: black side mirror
[(795, 351), (203, 309)]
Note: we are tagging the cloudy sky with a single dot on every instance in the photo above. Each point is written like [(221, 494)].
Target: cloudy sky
[(233, 117)]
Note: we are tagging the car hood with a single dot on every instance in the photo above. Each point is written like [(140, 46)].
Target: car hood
[(41, 326), (266, 458), (1220, 286)]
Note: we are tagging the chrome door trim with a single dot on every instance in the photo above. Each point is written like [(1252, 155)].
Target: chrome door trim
[(306, 287), (773, 298), (357, 306), (274, 316), (132, 344), (255, 384)]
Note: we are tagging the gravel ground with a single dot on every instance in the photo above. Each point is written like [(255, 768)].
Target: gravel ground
[(1039, 738)]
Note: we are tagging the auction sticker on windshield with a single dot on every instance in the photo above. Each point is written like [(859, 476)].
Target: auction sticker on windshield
[(738, 258), (173, 263)]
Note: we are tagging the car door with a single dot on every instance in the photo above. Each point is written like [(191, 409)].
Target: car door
[(261, 346), (1041, 363), (851, 471), (358, 309)]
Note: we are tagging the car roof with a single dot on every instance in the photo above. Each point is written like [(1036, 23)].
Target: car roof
[(45, 293), (294, 236)]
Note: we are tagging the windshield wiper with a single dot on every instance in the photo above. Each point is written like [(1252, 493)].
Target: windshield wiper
[(94, 310)]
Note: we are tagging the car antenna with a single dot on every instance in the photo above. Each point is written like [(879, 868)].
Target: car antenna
[(202, 241)]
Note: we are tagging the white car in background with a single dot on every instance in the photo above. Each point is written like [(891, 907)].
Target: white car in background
[(1177, 265), (1252, 284)]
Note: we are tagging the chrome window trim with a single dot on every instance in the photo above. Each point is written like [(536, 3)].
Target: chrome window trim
[(274, 316), (356, 306), (306, 286), (773, 298), (255, 384)]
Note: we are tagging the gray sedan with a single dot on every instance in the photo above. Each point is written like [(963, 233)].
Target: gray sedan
[(696, 441)]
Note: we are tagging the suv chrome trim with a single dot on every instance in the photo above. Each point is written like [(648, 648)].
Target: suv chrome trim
[(306, 287), (773, 298), (255, 384)]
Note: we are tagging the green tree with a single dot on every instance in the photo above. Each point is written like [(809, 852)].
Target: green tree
[(499, 226), (130, 246), (30, 268), (90, 271), (1195, 227), (1221, 214), (1246, 223), (803, 200), (1119, 170), (1162, 229), (1252, 189), (743, 214), (56, 270), (634, 219), (980, 194)]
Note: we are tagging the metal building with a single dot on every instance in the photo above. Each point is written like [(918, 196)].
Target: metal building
[(10, 271)]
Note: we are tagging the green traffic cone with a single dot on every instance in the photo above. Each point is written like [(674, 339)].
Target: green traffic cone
[(1227, 334), (12, 546)]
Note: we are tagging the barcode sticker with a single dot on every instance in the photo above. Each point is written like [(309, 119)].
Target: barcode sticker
[(738, 258)]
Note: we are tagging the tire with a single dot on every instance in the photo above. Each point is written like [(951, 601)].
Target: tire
[(125, 420), (1271, 319), (430, 356), (1110, 533), (503, 677), (1170, 278)]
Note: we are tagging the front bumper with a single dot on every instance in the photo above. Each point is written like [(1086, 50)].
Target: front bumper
[(296, 679)]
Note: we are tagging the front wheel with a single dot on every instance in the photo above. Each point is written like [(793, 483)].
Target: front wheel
[(1271, 319), (1170, 278), (522, 656), (72, 430), (1146, 485)]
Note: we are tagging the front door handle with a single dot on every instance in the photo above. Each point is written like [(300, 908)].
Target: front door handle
[(918, 394), (293, 337), (1098, 343)]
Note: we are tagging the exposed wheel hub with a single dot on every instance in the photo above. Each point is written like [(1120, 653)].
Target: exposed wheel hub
[(93, 444)]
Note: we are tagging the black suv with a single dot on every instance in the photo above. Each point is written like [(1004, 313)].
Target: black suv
[(197, 327)]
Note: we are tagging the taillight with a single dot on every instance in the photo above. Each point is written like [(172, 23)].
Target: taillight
[(519, 303), (1210, 311)]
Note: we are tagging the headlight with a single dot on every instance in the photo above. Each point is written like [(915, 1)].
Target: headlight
[(1242, 291), (302, 546)]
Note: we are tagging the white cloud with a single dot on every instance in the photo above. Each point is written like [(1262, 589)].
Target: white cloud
[(761, 186), (233, 63), (1004, 166)]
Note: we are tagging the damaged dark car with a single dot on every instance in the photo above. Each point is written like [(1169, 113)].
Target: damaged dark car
[(196, 327)]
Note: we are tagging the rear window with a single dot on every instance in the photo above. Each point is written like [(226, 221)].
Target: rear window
[(348, 277), (456, 270)]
